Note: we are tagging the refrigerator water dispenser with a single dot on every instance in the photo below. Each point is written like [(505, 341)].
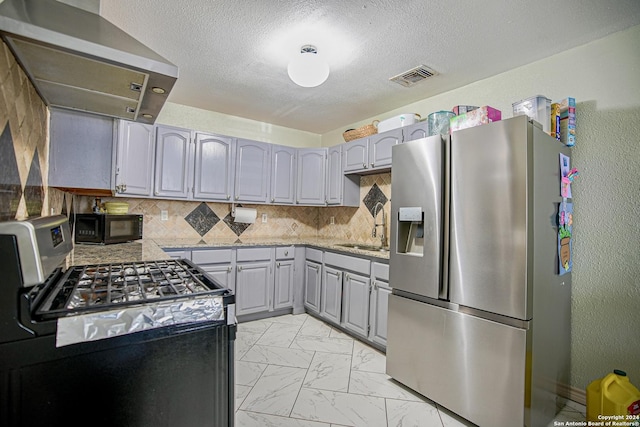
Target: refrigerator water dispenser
[(410, 231)]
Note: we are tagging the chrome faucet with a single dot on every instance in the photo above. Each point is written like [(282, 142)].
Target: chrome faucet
[(383, 236)]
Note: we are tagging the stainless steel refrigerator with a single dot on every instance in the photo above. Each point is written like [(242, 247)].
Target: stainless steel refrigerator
[(479, 318)]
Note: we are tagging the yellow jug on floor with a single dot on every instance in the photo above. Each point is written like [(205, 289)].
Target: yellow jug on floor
[(612, 395)]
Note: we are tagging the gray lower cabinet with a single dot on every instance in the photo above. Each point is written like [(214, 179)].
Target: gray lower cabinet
[(214, 167), (355, 312), (379, 303), (312, 284), (283, 291), (174, 163), (379, 311), (178, 253), (284, 277), (331, 294), (312, 279), (218, 263), (253, 287)]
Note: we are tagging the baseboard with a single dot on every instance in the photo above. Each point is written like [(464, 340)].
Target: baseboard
[(572, 393)]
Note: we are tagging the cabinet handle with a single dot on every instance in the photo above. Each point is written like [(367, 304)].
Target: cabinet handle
[(229, 269), (364, 165), (237, 197), (228, 197), (286, 253), (373, 165), (273, 199), (239, 268), (346, 276), (278, 265)]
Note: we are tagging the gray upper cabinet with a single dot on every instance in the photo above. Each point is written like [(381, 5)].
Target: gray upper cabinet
[(356, 155), (214, 167), (310, 189), (335, 176), (415, 131), (135, 149), (283, 174), (81, 150), (174, 163), (253, 161), (380, 148)]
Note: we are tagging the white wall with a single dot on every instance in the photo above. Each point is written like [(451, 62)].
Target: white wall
[(604, 77), (213, 122)]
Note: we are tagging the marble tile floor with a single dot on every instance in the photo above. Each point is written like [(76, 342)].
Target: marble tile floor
[(297, 371)]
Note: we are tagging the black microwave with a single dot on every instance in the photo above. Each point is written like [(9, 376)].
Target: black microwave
[(105, 229)]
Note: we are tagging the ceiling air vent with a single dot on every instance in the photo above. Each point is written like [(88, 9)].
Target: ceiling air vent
[(413, 76)]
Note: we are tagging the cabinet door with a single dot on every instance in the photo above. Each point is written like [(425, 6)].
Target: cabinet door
[(214, 167), (174, 160), (283, 169), (379, 312), (80, 150), (310, 177), (178, 253), (415, 131), (380, 148), (335, 176), (223, 274), (331, 294), (356, 303), (134, 159), (283, 292), (253, 287), (356, 155), (312, 284), (252, 171)]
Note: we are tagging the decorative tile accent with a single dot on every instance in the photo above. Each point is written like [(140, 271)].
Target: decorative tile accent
[(34, 190), (202, 219), (374, 196), (236, 227), (10, 186)]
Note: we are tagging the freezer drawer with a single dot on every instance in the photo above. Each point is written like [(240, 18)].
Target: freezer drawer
[(472, 366)]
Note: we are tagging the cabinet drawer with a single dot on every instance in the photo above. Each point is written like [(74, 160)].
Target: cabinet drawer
[(380, 271), (253, 254), (313, 255), (212, 256), (345, 262), (285, 252), (178, 253)]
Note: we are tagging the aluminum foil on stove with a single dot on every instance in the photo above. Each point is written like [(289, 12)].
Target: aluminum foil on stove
[(112, 323)]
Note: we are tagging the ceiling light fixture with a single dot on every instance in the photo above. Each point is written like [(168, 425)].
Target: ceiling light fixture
[(308, 69)]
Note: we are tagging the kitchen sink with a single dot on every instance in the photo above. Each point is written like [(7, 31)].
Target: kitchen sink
[(364, 247)]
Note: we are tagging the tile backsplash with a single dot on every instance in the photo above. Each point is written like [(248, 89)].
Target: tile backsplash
[(24, 144), (211, 221)]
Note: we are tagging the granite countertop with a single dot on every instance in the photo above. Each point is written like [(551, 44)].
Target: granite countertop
[(324, 243), (140, 250), (152, 249)]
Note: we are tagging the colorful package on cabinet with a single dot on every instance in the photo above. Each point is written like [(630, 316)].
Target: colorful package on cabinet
[(565, 237), (555, 121), (480, 116), (568, 121)]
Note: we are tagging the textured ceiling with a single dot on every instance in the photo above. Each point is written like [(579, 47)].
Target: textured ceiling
[(233, 54)]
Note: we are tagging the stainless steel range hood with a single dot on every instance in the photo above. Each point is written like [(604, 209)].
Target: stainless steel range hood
[(79, 60)]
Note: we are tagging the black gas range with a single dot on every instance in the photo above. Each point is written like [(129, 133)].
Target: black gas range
[(131, 344)]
